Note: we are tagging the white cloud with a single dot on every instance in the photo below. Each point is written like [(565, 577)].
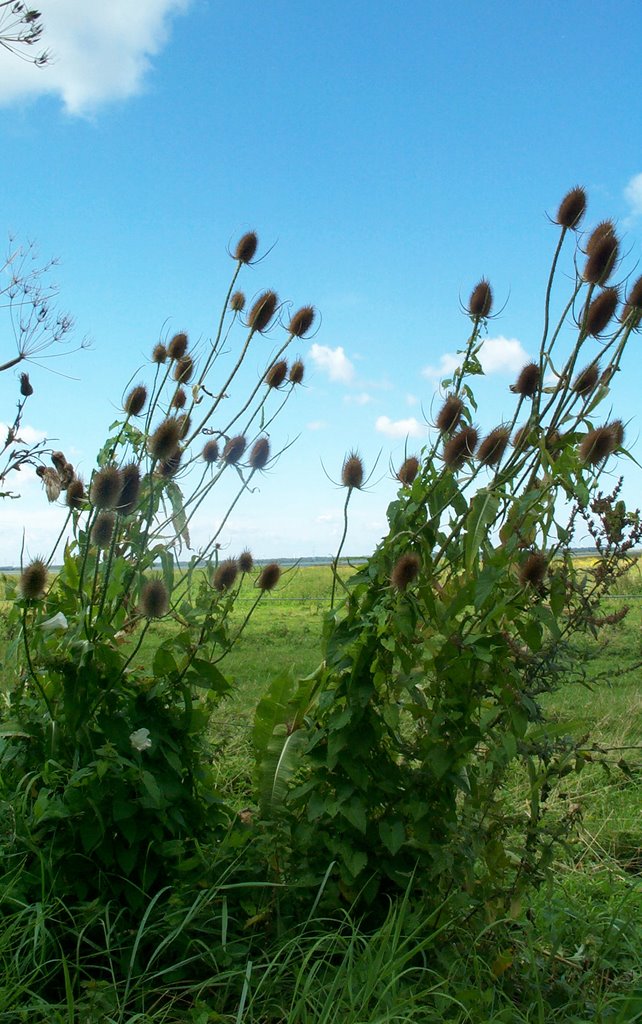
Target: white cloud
[(448, 363), (316, 425), (411, 400), (28, 435), (400, 428), (100, 51), (334, 361), (363, 398), (497, 355), (633, 195)]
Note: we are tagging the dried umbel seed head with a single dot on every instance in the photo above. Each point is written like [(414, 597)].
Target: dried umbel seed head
[(586, 380), (246, 247), (184, 369), (527, 382), (246, 562), (33, 580), (135, 401), (450, 414), (159, 354), (600, 311), (597, 445), (572, 208), (76, 496), (297, 371), (225, 575), (602, 257), (480, 302), (460, 447), (169, 467), (103, 529), (106, 487), (262, 311), (25, 385), (406, 569), (179, 399), (302, 321), (234, 449), (164, 441), (269, 577), (177, 346), (237, 302), (276, 374), (210, 452), (154, 599), (131, 489), (260, 453), (492, 448), (408, 470), (533, 569), (352, 471), (51, 482)]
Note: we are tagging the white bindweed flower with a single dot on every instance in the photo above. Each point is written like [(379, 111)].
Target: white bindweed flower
[(57, 621), (140, 739)]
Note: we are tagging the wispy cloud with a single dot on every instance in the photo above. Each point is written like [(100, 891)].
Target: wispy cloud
[(333, 361), (100, 50), (497, 355), (633, 196), (361, 398), (316, 425), (400, 428)]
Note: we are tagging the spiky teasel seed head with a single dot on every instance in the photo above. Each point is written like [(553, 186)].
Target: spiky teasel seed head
[(600, 311), (159, 354), (64, 469), (352, 471), (586, 380), (269, 577), (106, 487), (633, 306), (408, 470), (460, 447), (492, 448), (302, 321), (297, 371), (76, 496), (527, 382), (131, 489), (260, 453), (276, 374), (263, 310), (480, 302), (600, 231), (602, 257), (617, 430), (164, 441), (246, 247), (26, 388), (521, 435), (135, 401), (533, 569), (450, 414), (59, 460), (554, 442), (33, 580), (572, 208), (169, 467), (154, 599), (597, 445), (210, 452), (177, 346), (184, 369), (406, 569), (184, 423), (237, 302), (246, 562), (225, 575), (103, 529), (179, 399), (234, 449)]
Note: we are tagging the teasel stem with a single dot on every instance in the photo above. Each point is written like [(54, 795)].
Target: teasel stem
[(93, 595), (241, 628), (32, 671), (223, 389), (59, 538), (547, 299), (110, 557), (268, 423), (150, 515), (215, 343), (93, 512), (335, 563), (155, 397), (112, 686)]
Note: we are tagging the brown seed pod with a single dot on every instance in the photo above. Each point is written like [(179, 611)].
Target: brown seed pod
[(237, 302), (25, 385), (408, 470), (617, 430), (159, 354), (135, 401), (263, 310), (600, 311), (600, 231), (106, 487), (225, 575), (302, 321), (131, 489), (269, 577), (492, 448), (76, 496), (633, 306), (103, 529), (246, 562), (177, 346), (450, 414), (260, 453), (51, 482), (59, 461), (296, 371), (179, 399), (33, 580), (352, 471), (572, 208), (66, 475), (586, 380), (521, 435), (527, 382), (460, 447), (597, 445), (276, 374), (170, 466), (602, 257), (210, 452), (480, 302), (246, 247), (164, 441), (184, 369), (533, 569), (234, 449), (154, 599), (184, 423), (406, 569)]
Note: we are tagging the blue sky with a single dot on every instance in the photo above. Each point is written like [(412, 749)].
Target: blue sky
[(388, 155)]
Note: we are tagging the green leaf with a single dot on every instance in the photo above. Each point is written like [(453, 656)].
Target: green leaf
[(393, 835), (355, 812), (179, 520), (483, 510)]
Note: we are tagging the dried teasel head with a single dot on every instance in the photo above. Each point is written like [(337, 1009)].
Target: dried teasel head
[(597, 445), (154, 599), (527, 382), (246, 562), (352, 471), (159, 354), (225, 575), (572, 208), (179, 399), (164, 441), (533, 569), (184, 369), (210, 452), (184, 424), (492, 448), (263, 310), (66, 475), (131, 489), (586, 380), (602, 249), (170, 466), (269, 577), (26, 388), (237, 302), (480, 302), (260, 453), (51, 482), (617, 430), (633, 306), (406, 569), (276, 374), (521, 435), (460, 447), (58, 460), (600, 311), (246, 247), (234, 449), (76, 496), (135, 401), (103, 529), (302, 321), (450, 414), (297, 371), (408, 470), (601, 230), (177, 346), (33, 580), (106, 486)]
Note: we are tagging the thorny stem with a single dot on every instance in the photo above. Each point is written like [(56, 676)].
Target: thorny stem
[(32, 671), (341, 543), (59, 538)]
